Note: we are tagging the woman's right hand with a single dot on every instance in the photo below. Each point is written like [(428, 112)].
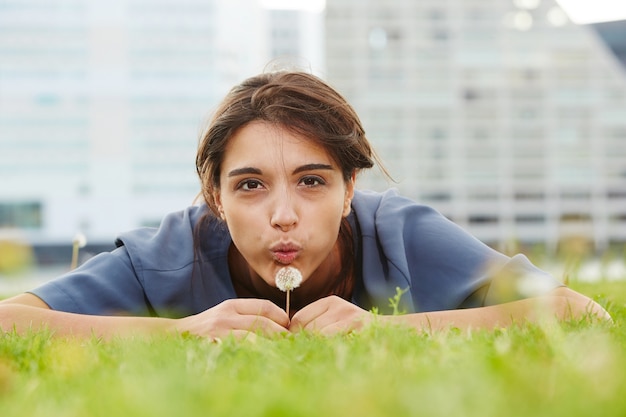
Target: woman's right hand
[(240, 317)]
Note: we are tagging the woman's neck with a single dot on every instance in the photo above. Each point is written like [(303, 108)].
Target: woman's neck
[(324, 281)]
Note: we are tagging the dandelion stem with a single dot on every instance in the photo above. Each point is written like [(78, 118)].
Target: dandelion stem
[(78, 242), (287, 306), (75, 247)]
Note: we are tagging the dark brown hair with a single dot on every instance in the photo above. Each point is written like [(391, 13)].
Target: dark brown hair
[(305, 105), (297, 101)]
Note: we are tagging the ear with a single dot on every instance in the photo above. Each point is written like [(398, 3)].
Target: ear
[(349, 194), (217, 198)]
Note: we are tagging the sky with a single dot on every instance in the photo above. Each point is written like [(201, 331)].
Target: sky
[(311, 5), (591, 11), (579, 11)]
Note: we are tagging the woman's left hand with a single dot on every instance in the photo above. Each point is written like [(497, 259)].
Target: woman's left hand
[(330, 315)]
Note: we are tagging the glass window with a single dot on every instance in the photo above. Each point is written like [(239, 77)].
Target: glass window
[(530, 218), (22, 215), (529, 195), (483, 219), (616, 194), (482, 195), (575, 195), (436, 196)]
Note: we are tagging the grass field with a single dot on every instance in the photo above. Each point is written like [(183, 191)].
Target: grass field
[(572, 369)]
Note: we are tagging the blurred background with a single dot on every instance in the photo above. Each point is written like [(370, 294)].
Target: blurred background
[(508, 116)]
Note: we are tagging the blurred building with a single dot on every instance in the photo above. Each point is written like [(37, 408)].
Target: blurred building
[(102, 103), (297, 39), (503, 115)]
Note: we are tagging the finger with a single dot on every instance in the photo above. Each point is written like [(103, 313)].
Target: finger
[(235, 334), (241, 325), (333, 316), (305, 319), (335, 328), (344, 326), (243, 335), (264, 325), (325, 325), (260, 308)]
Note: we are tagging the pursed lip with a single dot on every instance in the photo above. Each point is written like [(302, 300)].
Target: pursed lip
[(285, 253)]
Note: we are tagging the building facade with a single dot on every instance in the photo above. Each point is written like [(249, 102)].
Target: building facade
[(503, 115), (102, 105)]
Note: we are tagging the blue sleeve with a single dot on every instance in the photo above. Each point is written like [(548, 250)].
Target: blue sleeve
[(443, 267), (449, 268), (105, 284), (153, 272)]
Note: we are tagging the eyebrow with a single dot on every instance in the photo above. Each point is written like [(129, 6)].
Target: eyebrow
[(257, 171), (244, 171), (312, 167)]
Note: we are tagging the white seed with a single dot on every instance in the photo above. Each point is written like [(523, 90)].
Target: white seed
[(288, 278)]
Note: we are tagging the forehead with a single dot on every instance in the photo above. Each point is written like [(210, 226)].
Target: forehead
[(259, 143)]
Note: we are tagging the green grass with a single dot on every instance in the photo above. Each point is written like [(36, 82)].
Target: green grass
[(534, 370)]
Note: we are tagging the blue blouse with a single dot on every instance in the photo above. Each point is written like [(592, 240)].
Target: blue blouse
[(399, 244)]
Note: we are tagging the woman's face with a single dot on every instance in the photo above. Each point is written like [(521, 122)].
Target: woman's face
[(283, 198)]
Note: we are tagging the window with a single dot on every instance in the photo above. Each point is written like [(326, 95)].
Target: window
[(616, 194), (530, 218), (436, 196), (575, 217), (529, 196), (482, 195), (25, 215), (483, 219)]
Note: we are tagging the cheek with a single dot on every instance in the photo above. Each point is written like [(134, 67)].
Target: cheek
[(325, 223), (239, 221)]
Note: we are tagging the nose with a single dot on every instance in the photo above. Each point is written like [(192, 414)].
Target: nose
[(284, 212)]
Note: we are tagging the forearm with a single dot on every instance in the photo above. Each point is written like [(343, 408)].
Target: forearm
[(23, 318), (235, 317), (561, 304)]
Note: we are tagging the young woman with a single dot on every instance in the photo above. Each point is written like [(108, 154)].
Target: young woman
[(278, 165)]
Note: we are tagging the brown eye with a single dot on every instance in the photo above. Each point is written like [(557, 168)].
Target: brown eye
[(312, 181), (248, 185)]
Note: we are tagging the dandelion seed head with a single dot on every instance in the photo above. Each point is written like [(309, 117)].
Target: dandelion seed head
[(80, 240), (288, 278)]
